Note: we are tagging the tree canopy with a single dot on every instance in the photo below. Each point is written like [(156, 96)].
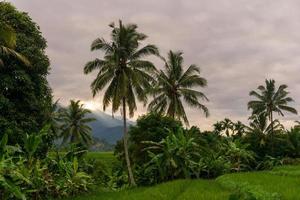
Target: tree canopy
[(25, 96)]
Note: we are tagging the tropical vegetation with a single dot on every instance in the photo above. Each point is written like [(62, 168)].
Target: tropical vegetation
[(75, 128), (8, 44), (25, 95), (255, 185), (44, 145)]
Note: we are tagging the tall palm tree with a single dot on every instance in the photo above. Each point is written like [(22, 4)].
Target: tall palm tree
[(175, 85), (125, 73), (75, 128), (8, 44), (270, 100)]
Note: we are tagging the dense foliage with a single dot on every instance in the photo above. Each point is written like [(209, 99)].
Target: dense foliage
[(8, 44), (161, 149), (25, 176), (25, 97)]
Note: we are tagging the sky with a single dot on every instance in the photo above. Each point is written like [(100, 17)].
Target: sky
[(236, 43)]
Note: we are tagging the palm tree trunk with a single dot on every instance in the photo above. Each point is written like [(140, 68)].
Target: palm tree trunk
[(272, 133), (125, 139)]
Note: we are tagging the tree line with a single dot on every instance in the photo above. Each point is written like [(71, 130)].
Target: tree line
[(126, 76)]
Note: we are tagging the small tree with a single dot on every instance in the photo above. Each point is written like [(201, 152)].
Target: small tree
[(75, 128)]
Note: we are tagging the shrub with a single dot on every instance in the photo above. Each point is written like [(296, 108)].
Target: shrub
[(150, 127), (23, 175)]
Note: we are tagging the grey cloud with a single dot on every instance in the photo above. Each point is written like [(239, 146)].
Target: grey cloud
[(237, 44)]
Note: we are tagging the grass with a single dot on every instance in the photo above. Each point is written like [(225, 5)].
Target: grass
[(180, 189), (285, 181), (287, 171), (287, 187), (106, 158)]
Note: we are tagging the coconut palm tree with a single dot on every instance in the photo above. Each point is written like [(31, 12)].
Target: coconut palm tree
[(227, 126), (259, 132), (175, 85), (218, 128), (270, 100), (125, 73), (8, 44), (75, 128), (238, 129), (260, 124)]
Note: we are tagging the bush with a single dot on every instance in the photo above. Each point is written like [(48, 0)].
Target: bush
[(25, 176), (150, 127)]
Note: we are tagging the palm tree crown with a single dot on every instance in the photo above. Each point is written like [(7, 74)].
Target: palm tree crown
[(227, 126), (174, 85), (122, 69), (270, 100), (75, 126)]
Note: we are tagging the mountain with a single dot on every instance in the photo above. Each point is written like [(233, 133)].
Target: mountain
[(107, 128)]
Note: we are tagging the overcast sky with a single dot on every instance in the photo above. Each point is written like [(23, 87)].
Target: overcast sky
[(237, 44)]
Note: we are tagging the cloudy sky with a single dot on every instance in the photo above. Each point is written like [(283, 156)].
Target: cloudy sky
[(237, 44)]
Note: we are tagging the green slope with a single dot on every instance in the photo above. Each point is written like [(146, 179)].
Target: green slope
[(106, 158), (283, 182), (180, 189)]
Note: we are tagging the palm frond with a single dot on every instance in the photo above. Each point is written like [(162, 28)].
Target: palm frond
[(101, 44), (145, 51), (92, 65), (288, 108)]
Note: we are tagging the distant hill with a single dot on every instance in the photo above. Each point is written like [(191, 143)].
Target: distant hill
[(107, 128)]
